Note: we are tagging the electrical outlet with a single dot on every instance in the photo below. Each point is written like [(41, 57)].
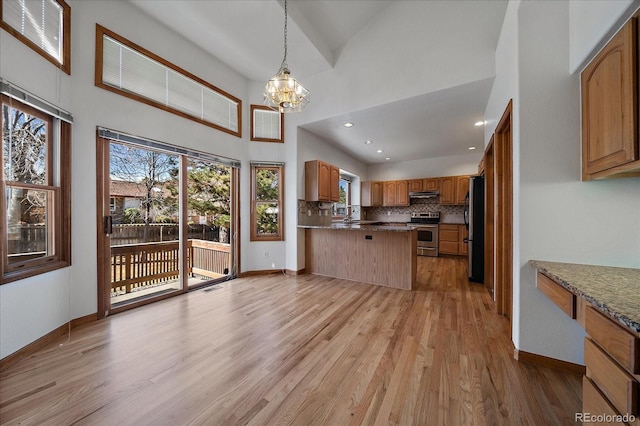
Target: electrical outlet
[(266, 254), (273, 265)]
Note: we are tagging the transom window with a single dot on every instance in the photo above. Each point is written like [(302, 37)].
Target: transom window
[(125, 68), (35, 209), (267, 125), (43, 25)]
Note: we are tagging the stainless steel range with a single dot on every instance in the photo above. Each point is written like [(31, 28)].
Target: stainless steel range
[(427, 226)]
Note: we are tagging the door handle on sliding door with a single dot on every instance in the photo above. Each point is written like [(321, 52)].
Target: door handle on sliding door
[(108, 225)]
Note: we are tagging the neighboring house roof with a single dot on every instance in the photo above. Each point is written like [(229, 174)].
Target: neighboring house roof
[(123, 188)]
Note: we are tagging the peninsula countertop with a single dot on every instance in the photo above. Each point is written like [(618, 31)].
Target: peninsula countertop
[(363, 225), (614, 291)]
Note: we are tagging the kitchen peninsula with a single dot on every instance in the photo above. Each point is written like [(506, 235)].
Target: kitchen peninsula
[(362, 251)]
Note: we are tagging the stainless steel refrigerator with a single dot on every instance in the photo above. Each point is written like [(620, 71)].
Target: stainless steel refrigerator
[(474, 221)]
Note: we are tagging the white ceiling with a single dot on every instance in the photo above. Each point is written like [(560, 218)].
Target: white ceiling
[(248, 36)]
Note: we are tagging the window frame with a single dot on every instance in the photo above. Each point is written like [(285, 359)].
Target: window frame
[(253, 235), (59, 218), (259, 139), (348, 201), (102, 31), (65, 65)]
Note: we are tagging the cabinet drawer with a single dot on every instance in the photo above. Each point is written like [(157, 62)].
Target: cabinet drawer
[(594, 402), (616, 385), (621, 345), (558, 295)]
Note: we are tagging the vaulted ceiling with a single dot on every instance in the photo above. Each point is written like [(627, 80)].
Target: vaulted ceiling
[(248, 36)]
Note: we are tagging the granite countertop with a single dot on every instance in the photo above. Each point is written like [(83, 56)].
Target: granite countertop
[(361, 226), (614, 291)]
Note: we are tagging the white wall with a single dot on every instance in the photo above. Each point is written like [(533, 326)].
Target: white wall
[(556, 216), (589, 21), (427, 167)]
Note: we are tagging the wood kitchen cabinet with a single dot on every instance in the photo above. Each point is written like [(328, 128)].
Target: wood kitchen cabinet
[(462, 187), (463, 245), (371, 194), (395, 193), (416, 185), (322, 181), (611, 355), (430, 184), (447, 190), (453, 189), (451, 238), (448, 239), (609, 84)]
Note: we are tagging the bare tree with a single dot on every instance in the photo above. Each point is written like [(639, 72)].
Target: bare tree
[(151, 171)]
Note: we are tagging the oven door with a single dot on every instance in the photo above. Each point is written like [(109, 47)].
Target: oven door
[(427, 240)]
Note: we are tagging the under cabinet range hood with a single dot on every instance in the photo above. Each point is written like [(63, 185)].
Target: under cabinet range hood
[(424, 194)]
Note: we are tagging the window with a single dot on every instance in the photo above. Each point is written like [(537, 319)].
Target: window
[(267, 201), (342, 207), (267, 125), (43, 25), (35, 209), (125, 68), (112, 204)]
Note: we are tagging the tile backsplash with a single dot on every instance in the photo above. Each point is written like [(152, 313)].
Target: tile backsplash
[(448, 214), (310, 214)]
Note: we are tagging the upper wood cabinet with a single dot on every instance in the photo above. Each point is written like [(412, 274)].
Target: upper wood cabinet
[(430, 184), (396, 193), (335, 184), (447, 190), (610, 109), (453, 189), (322, 181), (371, 194), (416, 185), (462, 187)]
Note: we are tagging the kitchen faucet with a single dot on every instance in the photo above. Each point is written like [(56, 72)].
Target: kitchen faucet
[(347, 214)]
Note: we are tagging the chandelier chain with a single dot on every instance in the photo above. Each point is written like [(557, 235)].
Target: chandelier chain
[(284, 60)]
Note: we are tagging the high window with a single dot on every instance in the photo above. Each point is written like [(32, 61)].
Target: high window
[(267, 125), (125, 68), (43, 25), (35, 209), (267, 202)]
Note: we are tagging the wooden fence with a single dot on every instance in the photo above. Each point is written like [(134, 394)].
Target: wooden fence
[(138, 266), (135, 233)]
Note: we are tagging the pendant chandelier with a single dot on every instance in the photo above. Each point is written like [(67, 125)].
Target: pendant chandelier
[(283, 92)]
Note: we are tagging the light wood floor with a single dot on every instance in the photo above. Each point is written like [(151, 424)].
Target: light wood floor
[(294, 350)]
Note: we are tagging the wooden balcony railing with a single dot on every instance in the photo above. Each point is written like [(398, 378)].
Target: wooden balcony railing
[(138, 266)]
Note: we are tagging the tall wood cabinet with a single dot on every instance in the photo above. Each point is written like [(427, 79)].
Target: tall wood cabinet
[(322, 181), (610, 145), (396, 193), (371, 194)]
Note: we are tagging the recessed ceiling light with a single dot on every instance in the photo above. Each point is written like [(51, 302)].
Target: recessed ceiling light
[(472, 147), (480, 123), (388, 158), (368, 142), (349, 124), (379, 151)]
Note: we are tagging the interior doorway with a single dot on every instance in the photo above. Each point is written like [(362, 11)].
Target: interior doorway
[(503, 205), (166, 220)]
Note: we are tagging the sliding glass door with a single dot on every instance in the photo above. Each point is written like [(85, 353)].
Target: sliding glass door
[(166, 222)]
